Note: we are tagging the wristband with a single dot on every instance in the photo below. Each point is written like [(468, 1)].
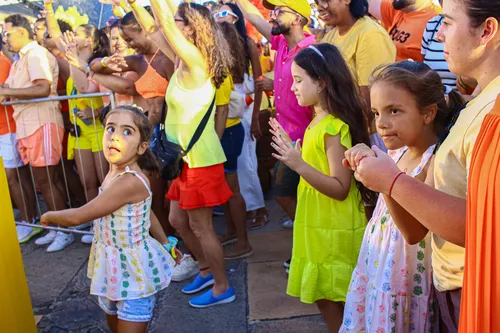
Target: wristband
[(123, 4), (103, 64), (394, 181)]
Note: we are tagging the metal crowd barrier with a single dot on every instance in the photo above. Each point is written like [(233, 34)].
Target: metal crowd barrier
[(51, 99)]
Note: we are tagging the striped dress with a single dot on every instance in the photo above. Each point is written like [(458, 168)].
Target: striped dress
[(433, 52)]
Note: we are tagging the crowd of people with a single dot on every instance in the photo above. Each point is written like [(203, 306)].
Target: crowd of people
[(380, 118)]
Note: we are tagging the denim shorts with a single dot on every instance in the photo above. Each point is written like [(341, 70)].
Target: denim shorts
[(232, 143), (136, 310)]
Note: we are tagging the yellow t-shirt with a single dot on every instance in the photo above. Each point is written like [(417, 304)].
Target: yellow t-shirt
[(365, 47), (451, 169), (223, 97), (81, 104), (186, 109)]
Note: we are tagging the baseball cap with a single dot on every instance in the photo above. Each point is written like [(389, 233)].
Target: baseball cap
[(300, 6)]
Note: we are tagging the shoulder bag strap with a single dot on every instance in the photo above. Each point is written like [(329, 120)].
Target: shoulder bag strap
[(201, 127)]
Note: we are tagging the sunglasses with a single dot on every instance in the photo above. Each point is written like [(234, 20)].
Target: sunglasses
[(278, 11), (225, 13)]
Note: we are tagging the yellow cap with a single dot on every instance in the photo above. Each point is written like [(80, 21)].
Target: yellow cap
[(300, 6)]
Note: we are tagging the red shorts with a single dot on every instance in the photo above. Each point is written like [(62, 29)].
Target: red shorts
[(200, 187)]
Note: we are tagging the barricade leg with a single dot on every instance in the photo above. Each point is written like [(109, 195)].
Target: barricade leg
[(16, 313)]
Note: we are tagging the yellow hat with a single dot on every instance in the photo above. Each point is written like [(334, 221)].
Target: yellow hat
[(300, 6)]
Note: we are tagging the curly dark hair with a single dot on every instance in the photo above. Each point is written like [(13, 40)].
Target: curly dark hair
[(340, 96)]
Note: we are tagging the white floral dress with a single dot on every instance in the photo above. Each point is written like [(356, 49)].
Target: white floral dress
[(125, 261), (390, 290)]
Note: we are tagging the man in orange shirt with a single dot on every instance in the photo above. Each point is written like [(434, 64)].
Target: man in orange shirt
[(39, 126), (405, 20), (21, 188)]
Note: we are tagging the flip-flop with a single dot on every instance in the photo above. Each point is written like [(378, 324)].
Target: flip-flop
[(228, 241)]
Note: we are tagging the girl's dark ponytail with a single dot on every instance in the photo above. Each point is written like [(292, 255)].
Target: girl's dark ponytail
[(147, 161)]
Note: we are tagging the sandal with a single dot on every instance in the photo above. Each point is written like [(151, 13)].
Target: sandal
[(254, 225), (234, 253), (226, 240)]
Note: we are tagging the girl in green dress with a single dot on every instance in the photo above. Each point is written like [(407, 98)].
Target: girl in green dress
[(330, 220)]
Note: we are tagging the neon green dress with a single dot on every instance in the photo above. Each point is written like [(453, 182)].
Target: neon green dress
[(327, 233)]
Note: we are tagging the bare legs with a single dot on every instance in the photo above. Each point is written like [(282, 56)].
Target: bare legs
[(22, 192), (196, 230), (121, 326), (332, 312)]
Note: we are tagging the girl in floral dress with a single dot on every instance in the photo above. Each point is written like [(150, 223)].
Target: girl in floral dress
[(127, 266), (390, 290)]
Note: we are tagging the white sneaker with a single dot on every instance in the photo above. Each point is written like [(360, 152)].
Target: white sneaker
[(47, 239), (185, 269), (25, 233), (88, 239), (61, 241)]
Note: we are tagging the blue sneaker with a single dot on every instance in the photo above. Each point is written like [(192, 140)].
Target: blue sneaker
[(198, 284), (218, 211), (208, 299)]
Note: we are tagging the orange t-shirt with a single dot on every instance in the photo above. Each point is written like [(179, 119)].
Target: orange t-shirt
[(407, 29), (7, 123), (480, 305)]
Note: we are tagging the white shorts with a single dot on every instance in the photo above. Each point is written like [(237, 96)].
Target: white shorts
[(9, 152)]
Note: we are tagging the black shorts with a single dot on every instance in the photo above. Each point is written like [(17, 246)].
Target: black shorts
[(287, 181), (232, 143)]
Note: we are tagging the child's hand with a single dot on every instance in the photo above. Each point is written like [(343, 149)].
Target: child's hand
[(288, 154), (354, 155), (278, 131), (45, 219)]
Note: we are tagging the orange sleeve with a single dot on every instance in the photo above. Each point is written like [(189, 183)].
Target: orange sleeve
[(387, 12), (4, 69)]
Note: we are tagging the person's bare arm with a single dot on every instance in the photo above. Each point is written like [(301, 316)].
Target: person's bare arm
[(149, 26), (412, 230), (255, 17), (52, 25), (257, 73), (128, 190), (156, 230), (115, 64), (39, 89), (221, 113), (117, 84), (183, 48)]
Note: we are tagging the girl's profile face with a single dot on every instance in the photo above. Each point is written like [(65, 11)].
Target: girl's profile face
[(304, 87), (399, 120), (81, 38), (122, 139)]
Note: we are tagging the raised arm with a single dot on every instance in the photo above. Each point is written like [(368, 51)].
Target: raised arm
[(149, 26), (255, 17), (183, 48), (257, 73), (52, 25)]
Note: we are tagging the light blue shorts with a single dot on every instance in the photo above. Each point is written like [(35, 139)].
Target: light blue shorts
[(136, 310)]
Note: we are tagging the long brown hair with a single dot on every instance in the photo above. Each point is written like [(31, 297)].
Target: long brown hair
[(425, 85), (340, 96), (237, 50), (209, 39)]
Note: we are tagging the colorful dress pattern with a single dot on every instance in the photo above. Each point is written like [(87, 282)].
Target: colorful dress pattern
[(390, 290), (125, 261), (327, 233)]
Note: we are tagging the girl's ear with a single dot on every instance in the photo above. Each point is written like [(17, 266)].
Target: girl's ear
[(430, 113), (142, 148)]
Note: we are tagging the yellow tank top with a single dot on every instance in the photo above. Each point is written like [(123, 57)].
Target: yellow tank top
[(186, 108), (81, 104)]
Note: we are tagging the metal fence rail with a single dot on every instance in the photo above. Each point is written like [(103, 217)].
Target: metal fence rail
[(51, 99)]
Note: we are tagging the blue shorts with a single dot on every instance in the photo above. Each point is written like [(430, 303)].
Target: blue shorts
[(136, 310), (232, 143)]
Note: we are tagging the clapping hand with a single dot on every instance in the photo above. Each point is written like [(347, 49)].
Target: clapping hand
[(116, 62)]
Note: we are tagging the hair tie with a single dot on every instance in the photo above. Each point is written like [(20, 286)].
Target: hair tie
[(312, 47)]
